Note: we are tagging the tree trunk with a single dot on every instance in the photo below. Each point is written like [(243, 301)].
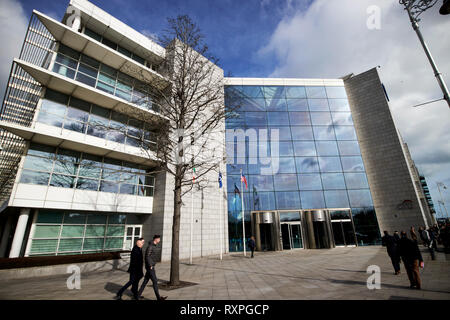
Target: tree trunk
[(175, 259)]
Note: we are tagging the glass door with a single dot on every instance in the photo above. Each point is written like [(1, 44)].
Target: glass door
[(296, 232), (132, 233), (343, 232), (291, 234)]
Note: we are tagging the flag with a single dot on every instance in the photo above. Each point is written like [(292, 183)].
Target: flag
[(244, 180), (236, 190), (220, 179), (193, 175)]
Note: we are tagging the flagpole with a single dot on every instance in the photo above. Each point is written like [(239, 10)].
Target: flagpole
[(192, 217), (243, 219), (221, 215)]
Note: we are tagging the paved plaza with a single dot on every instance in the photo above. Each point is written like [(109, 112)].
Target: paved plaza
[(338, 273)]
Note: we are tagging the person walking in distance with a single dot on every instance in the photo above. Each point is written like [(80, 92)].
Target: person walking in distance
[(412, 231), (252, 245), (396, 236), (390, 243), (135, 270), (150, 261), (412, 259)]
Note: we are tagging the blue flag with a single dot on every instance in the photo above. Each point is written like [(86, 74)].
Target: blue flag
[(220, 179)]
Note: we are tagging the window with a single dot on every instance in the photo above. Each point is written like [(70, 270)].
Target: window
[(304, 148), (86, 172), (315, 92), (312, 199), (285, 182), (309, 182)]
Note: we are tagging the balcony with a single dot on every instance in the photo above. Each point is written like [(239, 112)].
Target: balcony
[(104, 54)]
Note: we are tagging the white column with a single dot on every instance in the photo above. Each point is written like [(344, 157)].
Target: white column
[(5, 236), (19, 233)]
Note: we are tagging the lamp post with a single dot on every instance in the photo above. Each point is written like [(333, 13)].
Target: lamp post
[(414, 9)]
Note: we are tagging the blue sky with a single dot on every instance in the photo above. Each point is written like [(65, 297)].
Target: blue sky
[(300, 39), (234, 30)]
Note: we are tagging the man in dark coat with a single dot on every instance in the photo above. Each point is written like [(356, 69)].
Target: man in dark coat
[(390, 243), (151, 256), (396, 235), (252, 245), (135, 270), (412, 259)]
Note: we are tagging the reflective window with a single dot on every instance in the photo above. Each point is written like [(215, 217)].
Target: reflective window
[(260, 182), (284, 133), (287, 200), (307, 164), (285, 149), (34, 177), (309, 182), (312, 199), (285, 182), (286, 165), (333, 181), (330, 164), (297, 104), (348, 148), (304, 148), (360, 198), (339, 104), (262, 200), (302, 133), (345, 133), (342, 118), (274, 92), (336, 199), (327, 148), (252, 91), (256, 118), (290, 216), (324, 133), (356, 181), (276, 105), (336, 92), (300, 118), (318, 105), (321, 118), (278, 118), (352, 164), (315, 92), (295, 92)]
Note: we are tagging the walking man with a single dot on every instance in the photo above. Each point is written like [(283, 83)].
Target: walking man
[(390, 243), (135, 270), (150, 261), (412, 259), (252, 245)]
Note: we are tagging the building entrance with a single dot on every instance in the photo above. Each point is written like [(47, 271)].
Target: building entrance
[(310, 229), (291, 234)]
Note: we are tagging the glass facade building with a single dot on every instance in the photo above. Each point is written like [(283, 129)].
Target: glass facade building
[(320, 163)]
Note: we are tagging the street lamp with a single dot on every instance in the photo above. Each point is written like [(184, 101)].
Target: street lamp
[(414, 9)]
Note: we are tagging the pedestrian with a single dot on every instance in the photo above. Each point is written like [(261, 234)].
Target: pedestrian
[(135, 270), (396, 236), (412, 231), (425, 236), (412, 259), (151, 255), (390, 243), (252, 245)]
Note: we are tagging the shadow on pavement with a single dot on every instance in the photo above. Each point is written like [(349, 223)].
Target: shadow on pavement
[(360, 271), (393, 286)]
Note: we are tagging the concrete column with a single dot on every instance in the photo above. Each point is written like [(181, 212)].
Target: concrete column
[(5, 236), (19, 233)]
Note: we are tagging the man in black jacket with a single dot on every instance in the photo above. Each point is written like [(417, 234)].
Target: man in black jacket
[(151, 256), (135, 270), (412, 259), (390, 243)]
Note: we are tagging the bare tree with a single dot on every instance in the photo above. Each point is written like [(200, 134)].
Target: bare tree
[(186, 133)]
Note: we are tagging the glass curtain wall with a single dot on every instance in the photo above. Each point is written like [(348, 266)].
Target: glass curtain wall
[(75, 65), (319, 160), (58, 167), (60, 110)]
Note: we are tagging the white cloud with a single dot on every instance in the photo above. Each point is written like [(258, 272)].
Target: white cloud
[(331, 39), (13, 25)]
